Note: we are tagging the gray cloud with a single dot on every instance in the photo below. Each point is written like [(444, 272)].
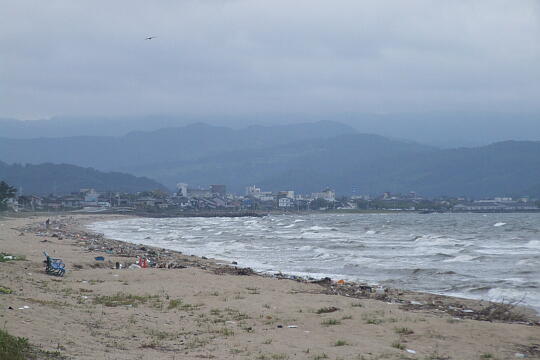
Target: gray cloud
[(243, 56)]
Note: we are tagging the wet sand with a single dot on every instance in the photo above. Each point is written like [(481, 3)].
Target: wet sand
[(194, 308)]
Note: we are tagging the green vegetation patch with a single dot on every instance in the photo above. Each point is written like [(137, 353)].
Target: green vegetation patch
[(5, 290), (18, 348), (10, 257), (12, 347), (341, 343), (326, 310), (123, 299), (330, 322), (179, 304), (403, 331)]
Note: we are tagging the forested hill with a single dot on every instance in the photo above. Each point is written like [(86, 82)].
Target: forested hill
[(370, 164), (62, 179), (303, 157)]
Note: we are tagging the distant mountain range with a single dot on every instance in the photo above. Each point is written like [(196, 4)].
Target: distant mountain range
[(47, 179), (144, 149), (303, 157), (442, 129)]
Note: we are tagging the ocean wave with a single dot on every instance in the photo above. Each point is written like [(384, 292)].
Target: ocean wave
[(462, 258), (319, 228), (405, 250), (535, 244)]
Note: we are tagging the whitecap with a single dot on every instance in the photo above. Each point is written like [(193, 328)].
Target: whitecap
[(317, 228), (499, 224), (535, 244), (506, 295), (461, 258)]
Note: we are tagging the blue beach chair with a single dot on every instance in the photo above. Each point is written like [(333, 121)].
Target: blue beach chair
[(54, 266)]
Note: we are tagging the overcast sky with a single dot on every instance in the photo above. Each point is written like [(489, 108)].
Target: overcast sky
[(66, 57)]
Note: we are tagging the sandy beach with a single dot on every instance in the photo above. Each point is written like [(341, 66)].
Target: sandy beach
[(195, 308)]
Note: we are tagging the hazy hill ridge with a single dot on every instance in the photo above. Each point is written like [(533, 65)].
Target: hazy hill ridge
[(170, 144), (302, 157), (46, 179)]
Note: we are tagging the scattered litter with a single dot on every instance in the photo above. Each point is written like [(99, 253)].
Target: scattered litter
[(341, 282), (24, 307), (467, 311), (99, 258), (115, 275), (134, 267), (280, 326), (230, 322), (520, 355), (410, 351), (292, 326), (143, 262), (416, 302)]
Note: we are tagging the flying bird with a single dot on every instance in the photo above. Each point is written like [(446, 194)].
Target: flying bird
[(150, 37)]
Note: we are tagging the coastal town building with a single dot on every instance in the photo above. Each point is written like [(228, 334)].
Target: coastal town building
[(215, 198)]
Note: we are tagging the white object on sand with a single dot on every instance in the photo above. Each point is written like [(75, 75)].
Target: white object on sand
[(410, 351)]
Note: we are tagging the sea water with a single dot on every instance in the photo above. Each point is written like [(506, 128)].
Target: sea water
[(481, 256)]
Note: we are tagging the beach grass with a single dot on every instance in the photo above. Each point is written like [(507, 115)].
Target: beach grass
[(341, 343), (327, 309), (19, 348), (12, 347), (404, 331), (123, 299), (330, 322)]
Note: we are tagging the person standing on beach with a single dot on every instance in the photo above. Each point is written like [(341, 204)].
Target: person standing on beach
[(47, 224)]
